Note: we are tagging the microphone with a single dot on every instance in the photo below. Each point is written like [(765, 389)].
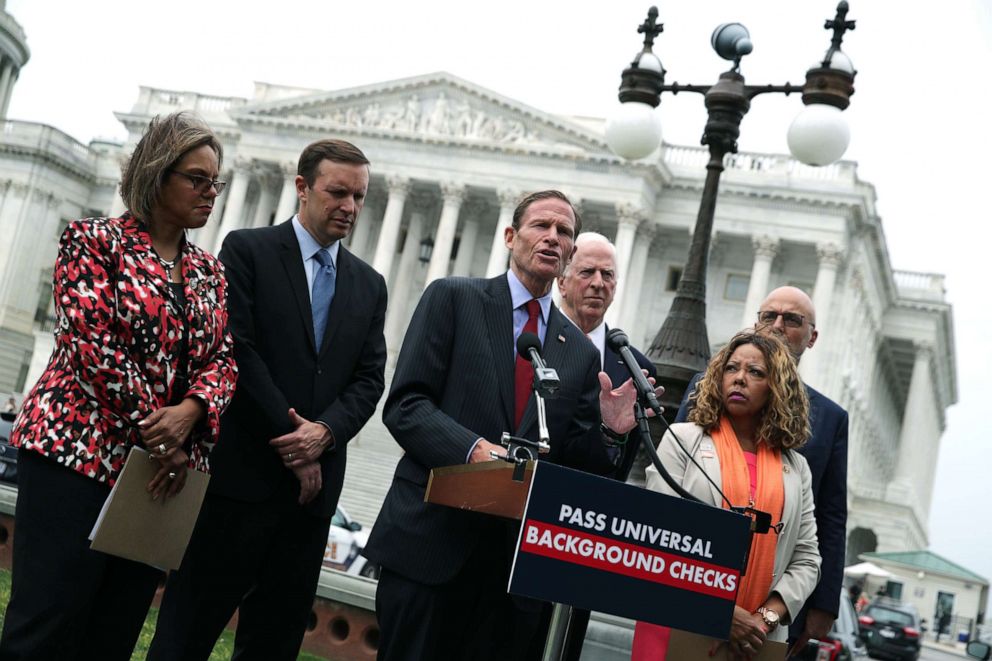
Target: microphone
[(545, 378), (618, 342)]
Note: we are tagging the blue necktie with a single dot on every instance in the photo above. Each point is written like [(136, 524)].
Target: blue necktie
[(322, 294)]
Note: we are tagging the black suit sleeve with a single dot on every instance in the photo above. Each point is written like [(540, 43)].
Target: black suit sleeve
[(831, 523), (253, 374), (686, 406), (413, 411), (355, 404), (585, 449)]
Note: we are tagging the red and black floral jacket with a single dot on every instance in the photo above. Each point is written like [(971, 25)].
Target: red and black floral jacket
[(116, 343)]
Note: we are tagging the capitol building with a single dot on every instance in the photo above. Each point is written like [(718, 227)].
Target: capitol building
[(450, 159)]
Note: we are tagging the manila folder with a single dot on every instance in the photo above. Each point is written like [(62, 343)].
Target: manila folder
[(685, 646), (154, 532)]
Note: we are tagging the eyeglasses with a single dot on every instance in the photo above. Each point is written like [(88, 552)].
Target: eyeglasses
[(790, 319), (202, 184)]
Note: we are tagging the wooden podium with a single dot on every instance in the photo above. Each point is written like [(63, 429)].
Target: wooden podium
[(488, 487), (491, 488)]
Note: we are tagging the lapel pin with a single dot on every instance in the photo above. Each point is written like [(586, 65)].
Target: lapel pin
[(561, 338)]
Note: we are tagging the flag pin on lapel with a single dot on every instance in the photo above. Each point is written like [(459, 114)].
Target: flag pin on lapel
[(561, 338)]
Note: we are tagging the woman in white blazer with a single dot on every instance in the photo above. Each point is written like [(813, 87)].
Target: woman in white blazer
[(750, 412)]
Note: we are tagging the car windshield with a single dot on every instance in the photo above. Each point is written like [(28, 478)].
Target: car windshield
[(889, 616)]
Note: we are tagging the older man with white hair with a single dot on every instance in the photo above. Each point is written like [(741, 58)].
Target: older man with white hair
[(587, 288)]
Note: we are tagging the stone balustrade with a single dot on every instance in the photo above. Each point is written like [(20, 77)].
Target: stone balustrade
[(48, 140), (152, 101), (917, 285), (691, 160)]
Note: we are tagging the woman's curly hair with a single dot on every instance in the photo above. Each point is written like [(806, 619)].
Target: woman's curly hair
[(785, 417)]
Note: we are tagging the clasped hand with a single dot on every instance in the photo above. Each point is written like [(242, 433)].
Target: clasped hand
[(300, 451), (747, 636), (163, 433)]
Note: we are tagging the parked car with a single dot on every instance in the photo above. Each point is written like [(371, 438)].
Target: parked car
[(891, 630), (979, 650), (843, 643), (8, 453), (345, 541)]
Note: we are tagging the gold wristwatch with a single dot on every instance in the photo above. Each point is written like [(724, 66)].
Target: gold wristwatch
[(769, 617)]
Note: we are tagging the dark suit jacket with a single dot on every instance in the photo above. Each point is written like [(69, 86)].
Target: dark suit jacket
[(826, 453), (272, 324), (454, 384), (613, 366)]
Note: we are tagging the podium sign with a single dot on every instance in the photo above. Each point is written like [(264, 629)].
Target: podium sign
[(602, 545)]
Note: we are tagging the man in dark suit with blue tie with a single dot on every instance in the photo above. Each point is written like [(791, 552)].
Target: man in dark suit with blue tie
[(789, 313), (457, 387), (307, 319)]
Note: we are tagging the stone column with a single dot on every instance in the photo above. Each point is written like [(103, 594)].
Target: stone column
[(498, 254), (385, 250), (15, 200), (37, 216), (5, 77), (628, 218), (359, 237), (829, 256), (916, 423), (632, 307), (289, 202), (470, 232), (453, 195), (266, 201), (765, 249), (9, 92), (402, 293), (234, 208)]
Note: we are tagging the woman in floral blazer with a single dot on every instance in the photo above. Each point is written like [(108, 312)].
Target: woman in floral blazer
[(142, 357)]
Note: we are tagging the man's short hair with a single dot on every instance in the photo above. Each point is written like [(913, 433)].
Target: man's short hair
[(164, 143), (530, 199), (338, 151)]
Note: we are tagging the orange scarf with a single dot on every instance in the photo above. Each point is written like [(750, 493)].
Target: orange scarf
[(769, 496)]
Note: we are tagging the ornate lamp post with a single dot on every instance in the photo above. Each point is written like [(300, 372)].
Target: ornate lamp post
[(818, 136)]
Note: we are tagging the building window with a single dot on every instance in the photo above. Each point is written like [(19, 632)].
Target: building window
[(893, 590), (736, 287), (672, 280)]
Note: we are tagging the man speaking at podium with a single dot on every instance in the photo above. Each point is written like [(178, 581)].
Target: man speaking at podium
[(457, 387)]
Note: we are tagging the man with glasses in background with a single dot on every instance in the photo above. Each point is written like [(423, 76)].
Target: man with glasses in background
[(788, 313)]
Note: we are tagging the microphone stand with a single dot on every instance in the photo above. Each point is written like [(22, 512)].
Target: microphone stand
[(544, 437)]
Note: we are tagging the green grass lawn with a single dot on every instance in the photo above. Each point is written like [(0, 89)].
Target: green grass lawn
[(222, 652)]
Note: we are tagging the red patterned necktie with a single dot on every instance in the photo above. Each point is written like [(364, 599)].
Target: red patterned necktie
[(523, 372)]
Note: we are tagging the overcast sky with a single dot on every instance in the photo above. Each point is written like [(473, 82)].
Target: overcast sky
[(918, 117)]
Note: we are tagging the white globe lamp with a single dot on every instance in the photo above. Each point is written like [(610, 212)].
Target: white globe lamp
[(819, 135), (634, 130)]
